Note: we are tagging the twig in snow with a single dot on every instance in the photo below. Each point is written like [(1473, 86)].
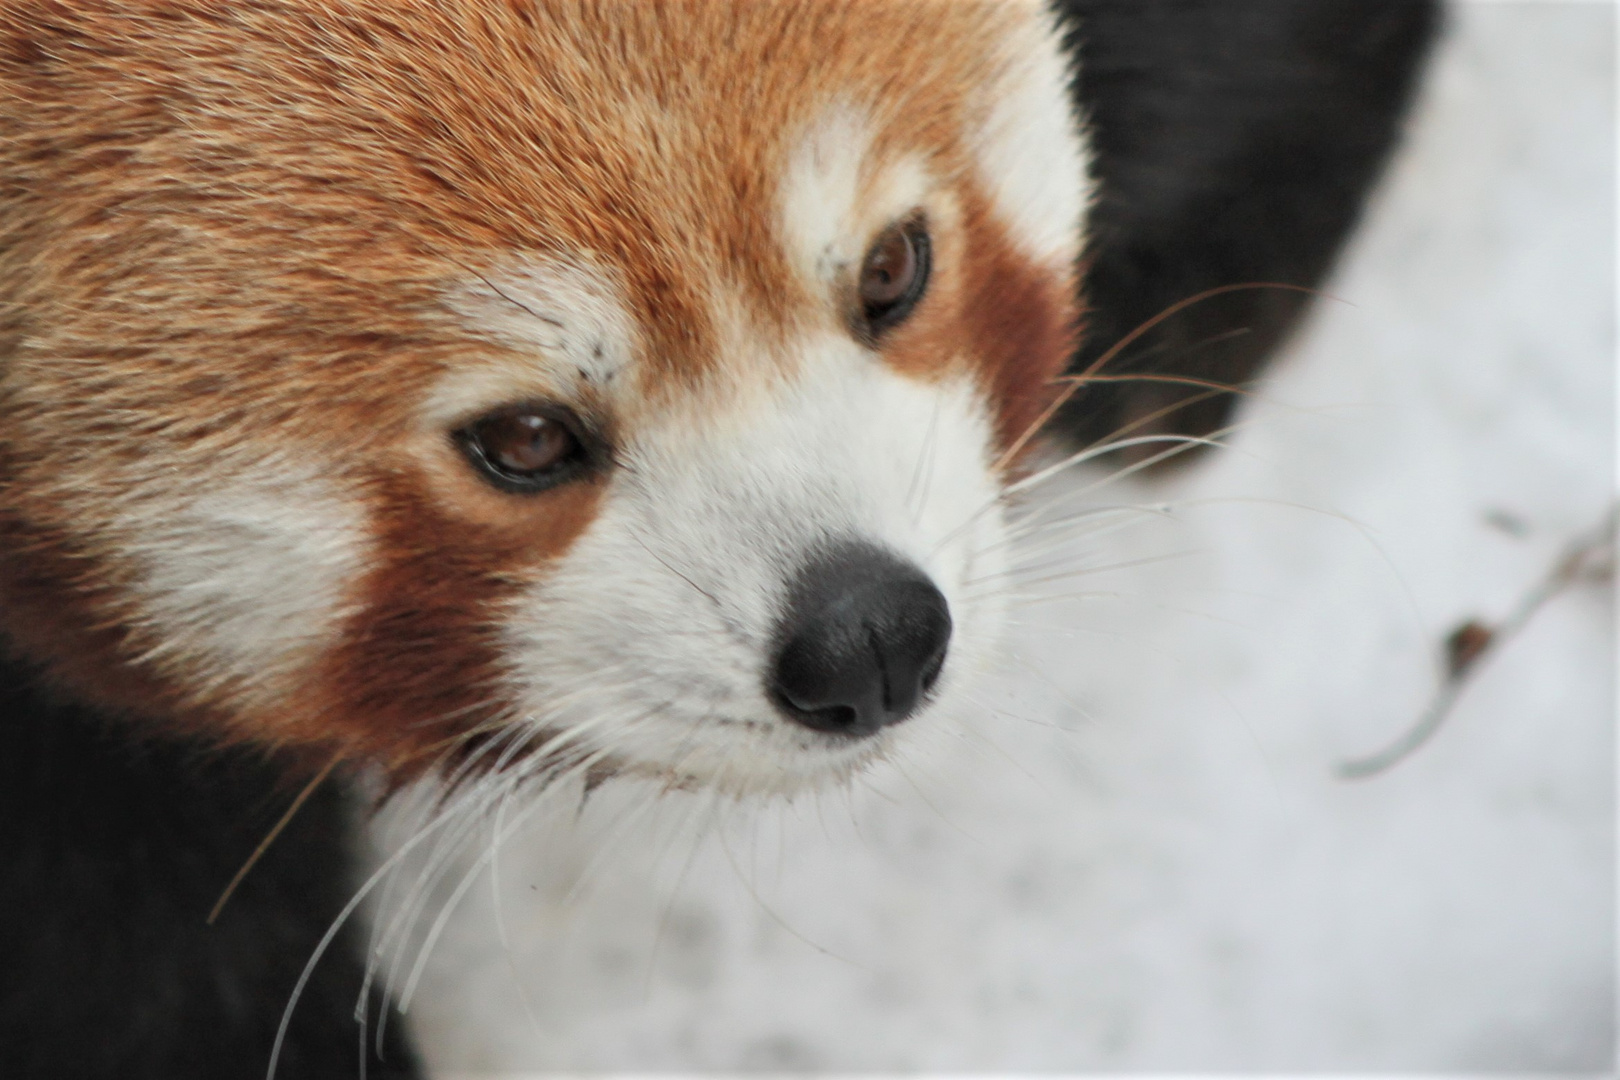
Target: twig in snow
[(1589, 557)]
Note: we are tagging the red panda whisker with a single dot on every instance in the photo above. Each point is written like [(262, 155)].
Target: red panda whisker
[(776, 916), (1036, 550), (694, 815), (1087, 571), (1076, 632), (1180, 443), (1177, 348), (474, 808), (992, 709), (1176, 445), (451, 715), (488, 736), (1174, 380), (981, 740), (1033, 538), (270, 837), (995, 585), (1063, 544), (925, 458), (459, 823), (395, 942), (452, 798), (463, 804), (725, 617), (448, 907), (1077, 380), (470, 806), (626, 819), (498, 910), (498, 724), (325, 942), (1113, 439), (1023, 601)]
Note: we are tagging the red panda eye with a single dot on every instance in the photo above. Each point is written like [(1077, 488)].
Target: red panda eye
[(893, 275), (526, 448)]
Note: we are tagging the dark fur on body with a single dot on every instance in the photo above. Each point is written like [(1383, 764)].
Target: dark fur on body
[(1234, 142), (113, 855)]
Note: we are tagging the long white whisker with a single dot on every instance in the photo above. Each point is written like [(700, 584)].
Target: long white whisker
[(327, 939), (1084, 571), (1179, 444), (383, 935)]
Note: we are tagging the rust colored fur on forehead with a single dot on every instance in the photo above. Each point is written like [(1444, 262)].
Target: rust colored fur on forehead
[(361, 134)]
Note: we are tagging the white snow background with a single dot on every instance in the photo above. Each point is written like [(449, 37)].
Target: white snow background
[(1138, 856)]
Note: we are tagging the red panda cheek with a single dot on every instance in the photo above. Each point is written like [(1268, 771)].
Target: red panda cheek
[(1023, 320), (420, 669)]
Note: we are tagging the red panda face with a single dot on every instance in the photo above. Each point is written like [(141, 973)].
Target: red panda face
[(625, 383)]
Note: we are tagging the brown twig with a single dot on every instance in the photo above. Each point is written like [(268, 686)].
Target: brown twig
[(1588, 556)]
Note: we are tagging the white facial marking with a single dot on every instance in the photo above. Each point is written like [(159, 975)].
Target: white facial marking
[(819, 190), (565, 319), (833, 203), (655, 635), (1030, 150), (244, 582)]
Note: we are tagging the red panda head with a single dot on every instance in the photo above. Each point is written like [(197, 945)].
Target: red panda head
[(630, 382)]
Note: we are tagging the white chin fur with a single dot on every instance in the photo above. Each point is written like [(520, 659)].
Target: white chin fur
[(649, 642)]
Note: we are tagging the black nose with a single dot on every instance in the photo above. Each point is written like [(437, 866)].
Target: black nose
[(862, 641)]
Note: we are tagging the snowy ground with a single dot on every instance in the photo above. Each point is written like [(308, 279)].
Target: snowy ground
[(1140, 858)]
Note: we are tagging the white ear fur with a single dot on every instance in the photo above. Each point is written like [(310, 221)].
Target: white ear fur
[(1031, 150)]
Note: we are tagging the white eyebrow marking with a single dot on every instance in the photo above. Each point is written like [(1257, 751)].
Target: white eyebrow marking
[(563, 316), (566, 308), (819, 190), (835, 198)]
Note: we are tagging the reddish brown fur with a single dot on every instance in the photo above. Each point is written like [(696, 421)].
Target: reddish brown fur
[(227, 229), (1023, 325)]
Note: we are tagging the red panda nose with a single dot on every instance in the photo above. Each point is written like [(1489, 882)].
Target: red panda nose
[(862, 639)]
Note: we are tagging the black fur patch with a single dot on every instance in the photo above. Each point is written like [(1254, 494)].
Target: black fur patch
[(1235, 141), (112, 855)]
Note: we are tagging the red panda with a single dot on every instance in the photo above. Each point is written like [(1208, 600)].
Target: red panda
[(400, 389)]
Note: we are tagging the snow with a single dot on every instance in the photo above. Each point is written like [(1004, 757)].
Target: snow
[(1139, 856)]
